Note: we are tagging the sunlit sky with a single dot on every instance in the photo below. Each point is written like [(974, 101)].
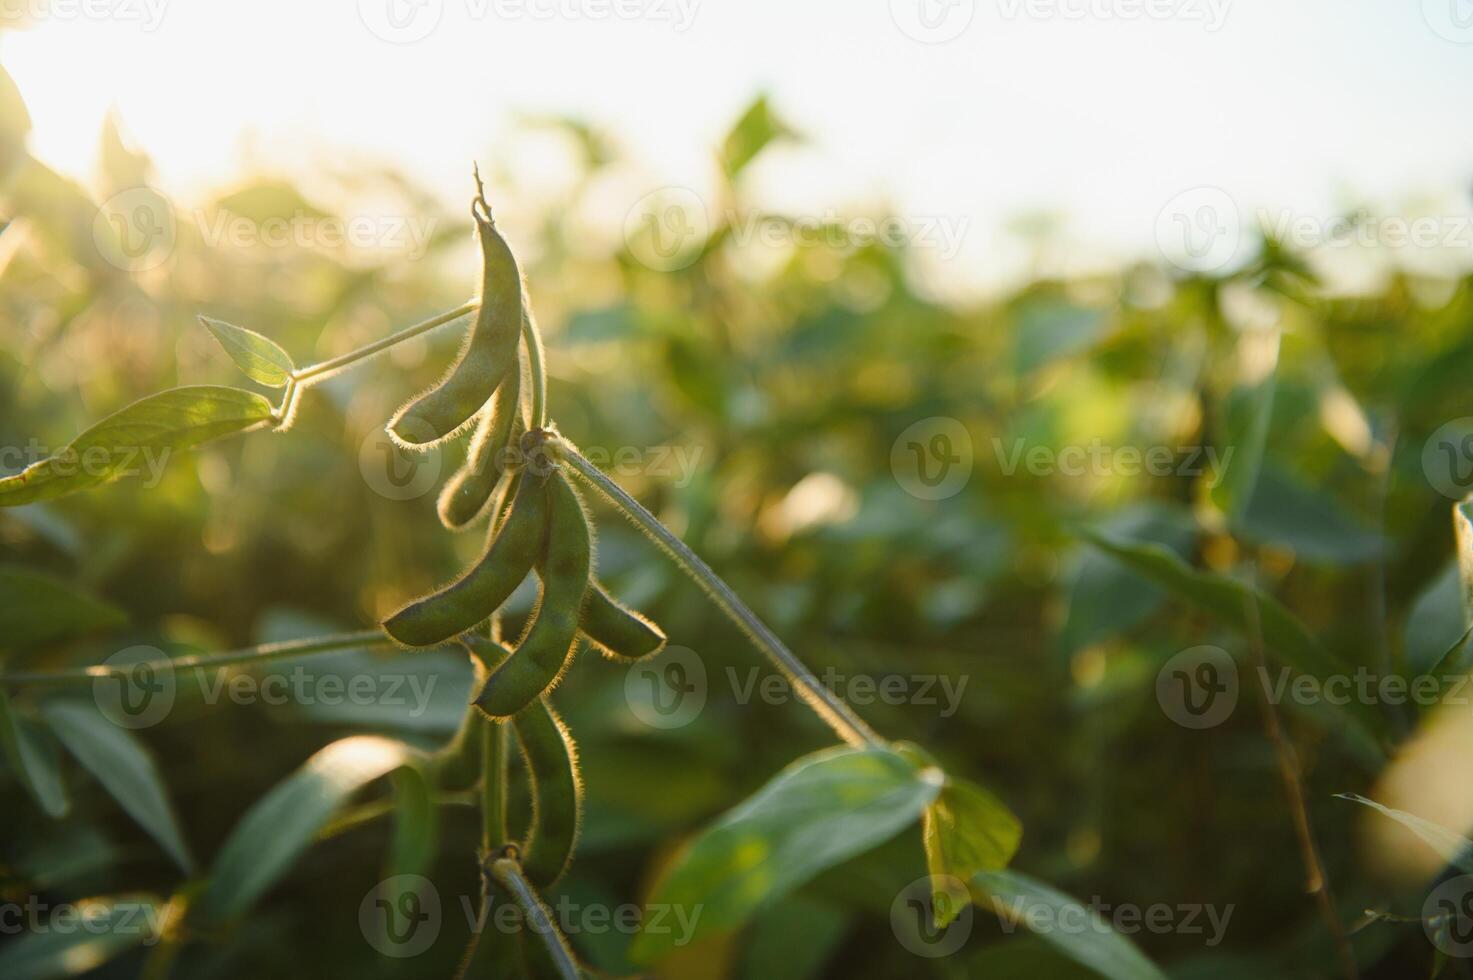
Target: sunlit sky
[(1098, 110)]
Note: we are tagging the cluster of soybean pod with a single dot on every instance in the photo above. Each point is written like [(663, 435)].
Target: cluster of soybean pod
[(537, 523)]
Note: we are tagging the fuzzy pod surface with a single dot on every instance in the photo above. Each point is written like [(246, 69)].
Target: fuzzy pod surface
[(548, 643), (510, 552)]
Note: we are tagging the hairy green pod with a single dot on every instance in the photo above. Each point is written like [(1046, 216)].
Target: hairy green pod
[(465, 494), (557, 792), (489, 353), (617, 631), (547, 645), (478, 593)]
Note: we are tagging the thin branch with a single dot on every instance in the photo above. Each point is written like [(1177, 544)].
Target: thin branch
[(1318, 882), (248, 655), (838, 715), (317, 372), (509, 873)]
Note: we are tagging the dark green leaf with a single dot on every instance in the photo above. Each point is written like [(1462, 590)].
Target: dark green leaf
[(36, 608), (1283, 511), (137, 440), (1245, 417), (260, 358), (112, 926), (33, 757), (1020, 899), (123, 766), (758, 127), (284, 822), (821, 810)]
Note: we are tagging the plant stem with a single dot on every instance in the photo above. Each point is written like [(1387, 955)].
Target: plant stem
[(248, 655), (509, 873), (838, 715), (535, 366), (493, 787), (1318, 882), (316, 372)]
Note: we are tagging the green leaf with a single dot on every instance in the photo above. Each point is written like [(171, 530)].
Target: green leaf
[(1049, 329), (282, 824), (965, 830), (1435, 623), (36, 608), (1453, 848), (137, 439), (1231, 601), (1020, 899), (33, 757), (821, 810), (793, 939), (261, 358), (412, 850), (123, 766), (758, 127), (1284, 511), (112, 926), (1243, 425)]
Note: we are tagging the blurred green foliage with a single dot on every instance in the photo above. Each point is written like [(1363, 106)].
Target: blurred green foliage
[(815, 365)]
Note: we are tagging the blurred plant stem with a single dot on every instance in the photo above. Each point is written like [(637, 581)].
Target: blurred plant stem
[(317, 372), (827, 705), (248, 655)]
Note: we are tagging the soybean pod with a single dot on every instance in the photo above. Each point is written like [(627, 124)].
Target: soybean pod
[(617, 631), (509, 554), (465, 494), (557, 792), (548, 643), (488, 356)]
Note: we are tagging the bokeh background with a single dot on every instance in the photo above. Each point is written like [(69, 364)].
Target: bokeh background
[(771, 246)]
